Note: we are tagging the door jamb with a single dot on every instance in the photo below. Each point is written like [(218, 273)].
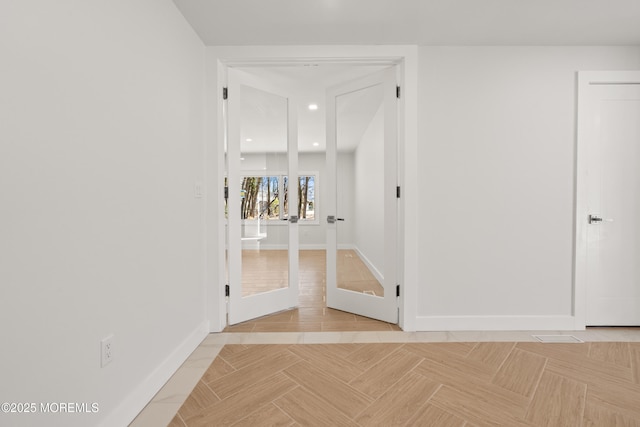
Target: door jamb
[(218, 59), (585, 80)]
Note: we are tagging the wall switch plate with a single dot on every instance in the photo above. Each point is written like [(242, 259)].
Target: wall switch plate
[(106, 351), (197, 190)]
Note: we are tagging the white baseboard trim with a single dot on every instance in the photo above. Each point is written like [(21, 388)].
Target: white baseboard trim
[(135, 402), (495, 323), (372, 268)]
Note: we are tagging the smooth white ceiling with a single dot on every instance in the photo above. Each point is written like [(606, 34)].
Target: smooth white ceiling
[(423, 22)]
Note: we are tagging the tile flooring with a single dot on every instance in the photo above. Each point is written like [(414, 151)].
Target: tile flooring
[(523, 381), (312, 319), (318, 366), (266, 270)]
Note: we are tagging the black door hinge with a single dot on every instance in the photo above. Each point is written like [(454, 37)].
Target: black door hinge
[(226, 290), (397, 92), (398, 191), (225, 93), (397, 290)]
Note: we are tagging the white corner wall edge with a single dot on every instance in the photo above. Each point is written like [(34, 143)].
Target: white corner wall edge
[(495, 323), (135, 402)]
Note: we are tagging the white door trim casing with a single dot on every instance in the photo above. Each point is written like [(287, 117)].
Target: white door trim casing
[(585, 80), (217, 59)]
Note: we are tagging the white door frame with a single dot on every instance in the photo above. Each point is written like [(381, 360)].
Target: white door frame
[(217, 59), (585, 105)]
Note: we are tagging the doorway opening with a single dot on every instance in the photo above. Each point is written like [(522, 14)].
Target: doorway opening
[(607, 278), (285, 190)]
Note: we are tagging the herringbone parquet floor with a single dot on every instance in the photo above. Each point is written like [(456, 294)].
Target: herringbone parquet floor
[(419, 384)]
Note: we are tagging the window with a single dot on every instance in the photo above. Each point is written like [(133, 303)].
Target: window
[(267, 197)]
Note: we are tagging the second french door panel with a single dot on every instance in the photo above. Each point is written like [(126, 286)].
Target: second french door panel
[(362, 203)]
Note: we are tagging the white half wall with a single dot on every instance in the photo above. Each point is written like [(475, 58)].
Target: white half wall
[(101, 144), (496, 194)]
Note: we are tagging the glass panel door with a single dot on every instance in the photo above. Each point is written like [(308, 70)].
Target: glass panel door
[(262, 149), (361, 227)]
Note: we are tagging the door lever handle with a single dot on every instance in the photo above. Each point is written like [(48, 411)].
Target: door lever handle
[(331, 219), (596, 218)]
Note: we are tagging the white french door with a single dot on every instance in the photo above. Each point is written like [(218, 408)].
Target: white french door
[(362, 203), (262, 237), (610, 140)]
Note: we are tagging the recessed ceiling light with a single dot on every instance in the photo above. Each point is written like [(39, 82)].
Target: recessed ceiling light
[(315, 144), (248, 139), (313, 107), (241, 158)]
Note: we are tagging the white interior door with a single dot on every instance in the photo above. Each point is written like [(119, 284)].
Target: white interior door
[(362, 202), (612, 220), (262, 236)]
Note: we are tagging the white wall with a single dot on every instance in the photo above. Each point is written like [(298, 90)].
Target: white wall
[(100, 233), (497, 154), (369, 236)]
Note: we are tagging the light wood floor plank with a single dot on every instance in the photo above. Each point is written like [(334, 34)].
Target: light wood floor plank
[(558, 402), (287, 327), (491, 354), (621, 398), (475, 388), (218, 368), (339, 394), (396, 406), (252, 354), (461, 349), (431, 384), (596, 415), (321, 357), (200, 398), (616, 353), (429, 415), (578, 362), (482, 409), (616, 389), (634, 349), (384, 374), (367, 356), (440, 354), (520, 372), (243, 378), (236, 407), (267, 416), (177, 422), (307, 410)]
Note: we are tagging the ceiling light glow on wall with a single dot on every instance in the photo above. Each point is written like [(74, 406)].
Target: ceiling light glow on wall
[(248, 139), (313, 107), (315, 144)]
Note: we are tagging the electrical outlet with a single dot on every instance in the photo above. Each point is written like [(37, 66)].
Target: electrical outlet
[(106, 351)]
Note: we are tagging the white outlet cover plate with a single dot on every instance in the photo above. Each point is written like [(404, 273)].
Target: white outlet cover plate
[(106, 351)]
